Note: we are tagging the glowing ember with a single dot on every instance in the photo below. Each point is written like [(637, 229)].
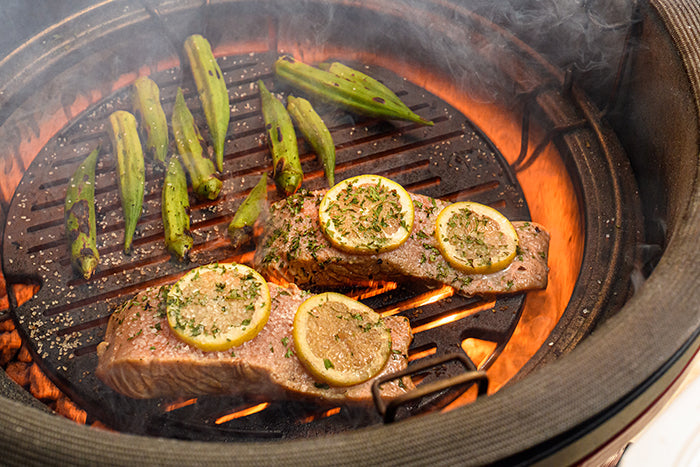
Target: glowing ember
[(374, 290), (326, 414), (180, 404), (242, 413)]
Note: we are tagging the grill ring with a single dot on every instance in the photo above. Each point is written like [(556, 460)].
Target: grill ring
[(493, 428)]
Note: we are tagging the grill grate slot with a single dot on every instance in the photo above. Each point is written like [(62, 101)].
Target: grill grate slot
[(67, 317)]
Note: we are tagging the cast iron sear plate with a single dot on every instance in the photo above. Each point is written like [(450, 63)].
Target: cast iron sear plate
[(67, 317)]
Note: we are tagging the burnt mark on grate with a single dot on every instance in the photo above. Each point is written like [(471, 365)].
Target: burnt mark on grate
[(66, 319)]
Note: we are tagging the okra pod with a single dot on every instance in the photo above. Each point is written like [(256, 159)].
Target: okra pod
[(240, 229), (130, 169), (145, 100), (343, 92), (175, 205), (315, 133), (79, 213), (362, 79), (212, 92), (282, 141), (189, 144)]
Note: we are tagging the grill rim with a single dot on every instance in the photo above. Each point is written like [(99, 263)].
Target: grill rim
[(682, 308)]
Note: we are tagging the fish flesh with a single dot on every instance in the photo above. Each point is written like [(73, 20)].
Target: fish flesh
[(142, 358), (293, 249)]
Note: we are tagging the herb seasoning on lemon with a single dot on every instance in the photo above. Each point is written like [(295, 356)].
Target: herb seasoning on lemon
[(475, 238), (366, 214), (218, 306)]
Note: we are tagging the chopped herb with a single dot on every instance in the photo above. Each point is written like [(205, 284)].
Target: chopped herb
[(135, 335), (327, 364)]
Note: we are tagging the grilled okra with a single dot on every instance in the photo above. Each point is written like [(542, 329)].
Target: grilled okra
[(189, 144), (145, 100), (212, 92), (79, 216), (240, 229), (315, 133), (175, 206), (130, 168), (282, 141), (362, 79), (343, 92)]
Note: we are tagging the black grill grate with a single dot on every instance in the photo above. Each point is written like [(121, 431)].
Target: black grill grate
[(66, 319)]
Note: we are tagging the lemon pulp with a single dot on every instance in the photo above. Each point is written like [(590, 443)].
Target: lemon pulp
[(340, 341)]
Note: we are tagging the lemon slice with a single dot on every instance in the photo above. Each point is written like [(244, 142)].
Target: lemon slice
[(475, 238), (366, 214), (340, 341), (218, 306)]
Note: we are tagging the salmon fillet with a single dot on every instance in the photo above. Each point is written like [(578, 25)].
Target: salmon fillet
[(141, 358), (292, 248)]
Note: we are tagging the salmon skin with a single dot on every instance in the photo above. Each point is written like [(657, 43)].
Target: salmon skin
[(292, 248), (142, 358)]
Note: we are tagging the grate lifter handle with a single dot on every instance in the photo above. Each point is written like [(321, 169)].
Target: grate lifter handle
[(389, 408)]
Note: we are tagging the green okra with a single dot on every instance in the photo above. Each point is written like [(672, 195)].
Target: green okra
[(145, 100), (315, 133), (240, 229), (282, 141), (79, 213), (189, 144), (346, 93), (175, 205), (362, 79), (130, 169), (212, 92)]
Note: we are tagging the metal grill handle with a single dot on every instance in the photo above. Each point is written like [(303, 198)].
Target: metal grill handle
[(388, 409)]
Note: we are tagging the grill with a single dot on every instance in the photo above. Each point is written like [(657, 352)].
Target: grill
[(460, 70), (64, 332)]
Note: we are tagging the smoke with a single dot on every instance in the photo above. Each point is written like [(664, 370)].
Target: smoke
[(587, 37)]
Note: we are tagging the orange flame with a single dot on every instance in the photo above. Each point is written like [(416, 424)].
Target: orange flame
[(452, 317), (422, 354), (420, 300)]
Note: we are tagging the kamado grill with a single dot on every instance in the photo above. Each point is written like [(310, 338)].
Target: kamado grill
[(511, 131)]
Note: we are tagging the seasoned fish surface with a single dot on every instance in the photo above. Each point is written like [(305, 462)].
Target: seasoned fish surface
[(141, 358), (292, 248)]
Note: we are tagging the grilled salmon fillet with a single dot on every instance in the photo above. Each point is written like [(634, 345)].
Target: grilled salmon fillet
[(292, 248), (140, 357)]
